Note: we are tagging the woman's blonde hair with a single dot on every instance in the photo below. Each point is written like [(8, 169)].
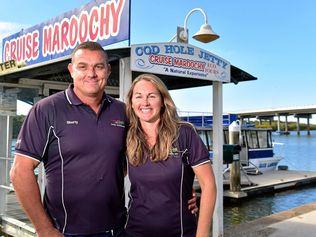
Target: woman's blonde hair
[(168, 128)]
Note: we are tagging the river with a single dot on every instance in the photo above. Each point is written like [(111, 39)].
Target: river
[(299, 154)]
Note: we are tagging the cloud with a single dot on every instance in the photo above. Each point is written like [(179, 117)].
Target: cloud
[(8, 28)]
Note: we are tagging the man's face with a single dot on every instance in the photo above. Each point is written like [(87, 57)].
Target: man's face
[(90, 71)]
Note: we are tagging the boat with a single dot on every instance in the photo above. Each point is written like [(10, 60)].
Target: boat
[(257, 149), (280, 132)]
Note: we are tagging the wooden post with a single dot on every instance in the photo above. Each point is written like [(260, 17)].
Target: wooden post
[(125, 77), (124, 86), (234, 129)]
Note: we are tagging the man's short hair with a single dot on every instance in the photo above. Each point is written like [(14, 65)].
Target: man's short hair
[(90, 45)]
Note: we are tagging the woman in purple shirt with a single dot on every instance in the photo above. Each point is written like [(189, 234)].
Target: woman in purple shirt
[(164, 155)]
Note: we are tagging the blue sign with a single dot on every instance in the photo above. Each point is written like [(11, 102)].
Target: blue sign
[(104, 21), (178, 59)]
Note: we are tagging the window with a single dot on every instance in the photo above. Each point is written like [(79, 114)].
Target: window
[(252, 139), (263, 139), (207, 138)]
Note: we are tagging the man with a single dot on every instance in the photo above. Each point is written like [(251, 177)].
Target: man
[(79, 135)]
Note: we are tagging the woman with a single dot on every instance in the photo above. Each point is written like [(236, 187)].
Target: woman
[(164, 154)]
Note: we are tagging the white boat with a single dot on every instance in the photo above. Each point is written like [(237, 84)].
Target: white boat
[(257, 153)]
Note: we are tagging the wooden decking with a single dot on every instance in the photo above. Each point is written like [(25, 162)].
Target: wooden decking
[(272, 181)]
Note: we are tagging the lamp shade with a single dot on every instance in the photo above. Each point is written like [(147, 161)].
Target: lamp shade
[(205, 34)]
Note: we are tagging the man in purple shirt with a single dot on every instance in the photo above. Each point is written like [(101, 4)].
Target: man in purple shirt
[(79, 135)]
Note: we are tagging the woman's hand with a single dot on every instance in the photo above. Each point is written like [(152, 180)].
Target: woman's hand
[(192, 203)]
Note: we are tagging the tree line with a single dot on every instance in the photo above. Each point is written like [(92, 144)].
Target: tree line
[(290, 125)]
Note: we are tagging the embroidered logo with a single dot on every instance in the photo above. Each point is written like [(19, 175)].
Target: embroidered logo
[(174, 151), (72, 122), (117, 123), (180, 154)]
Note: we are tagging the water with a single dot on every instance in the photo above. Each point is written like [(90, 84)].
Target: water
[(12, 147), (299, 151), (299, 154)]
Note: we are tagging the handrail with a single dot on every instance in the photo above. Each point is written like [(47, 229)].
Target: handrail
[(256, 167), (7, 187), (23, 228), (6, 158), (250, 183)]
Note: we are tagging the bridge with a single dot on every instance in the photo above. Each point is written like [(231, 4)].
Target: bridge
[(298, 112)]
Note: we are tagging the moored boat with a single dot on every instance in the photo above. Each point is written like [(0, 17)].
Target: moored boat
[(257, 153)]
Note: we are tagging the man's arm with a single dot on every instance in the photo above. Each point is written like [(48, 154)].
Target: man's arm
[(27, 191)]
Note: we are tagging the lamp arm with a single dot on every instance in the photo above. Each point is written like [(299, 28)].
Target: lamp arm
[(173, 37), (190, 13)]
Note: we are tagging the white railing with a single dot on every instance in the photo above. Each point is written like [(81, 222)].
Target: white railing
[(188, 114), (4, 182), (11, 225)]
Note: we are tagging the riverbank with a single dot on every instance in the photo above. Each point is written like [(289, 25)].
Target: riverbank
[(299, 221), (292, 126)]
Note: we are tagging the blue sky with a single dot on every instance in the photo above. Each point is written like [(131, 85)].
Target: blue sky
[(272, 40)]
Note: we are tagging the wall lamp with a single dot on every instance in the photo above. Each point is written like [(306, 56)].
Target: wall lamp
[(205, 34)]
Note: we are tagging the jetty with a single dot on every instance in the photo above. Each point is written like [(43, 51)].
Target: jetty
[(299, 221), (269, 182)]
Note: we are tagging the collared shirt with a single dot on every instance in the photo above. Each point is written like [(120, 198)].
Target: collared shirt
[(160, 191), (84, 158)]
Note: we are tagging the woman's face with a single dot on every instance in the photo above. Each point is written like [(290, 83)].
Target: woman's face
[(146, 102)]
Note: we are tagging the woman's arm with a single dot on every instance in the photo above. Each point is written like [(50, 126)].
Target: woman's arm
[(206, 180)]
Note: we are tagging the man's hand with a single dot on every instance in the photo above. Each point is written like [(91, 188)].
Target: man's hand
[(192, 206)]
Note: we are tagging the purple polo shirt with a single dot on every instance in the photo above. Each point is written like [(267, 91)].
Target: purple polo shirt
[(160, 191), (84, 156)]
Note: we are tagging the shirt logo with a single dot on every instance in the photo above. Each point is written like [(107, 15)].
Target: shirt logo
[(118, 123), (72, 122), (174, 151), (180, 154)]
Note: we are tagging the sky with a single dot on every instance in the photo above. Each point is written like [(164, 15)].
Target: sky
[(272, 40)]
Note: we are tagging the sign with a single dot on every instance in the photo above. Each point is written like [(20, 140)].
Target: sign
[(177, 59), (104, 21), (7, 66)]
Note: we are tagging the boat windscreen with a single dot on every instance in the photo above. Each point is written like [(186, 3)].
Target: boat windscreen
[(258, 139), (207, 138)]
